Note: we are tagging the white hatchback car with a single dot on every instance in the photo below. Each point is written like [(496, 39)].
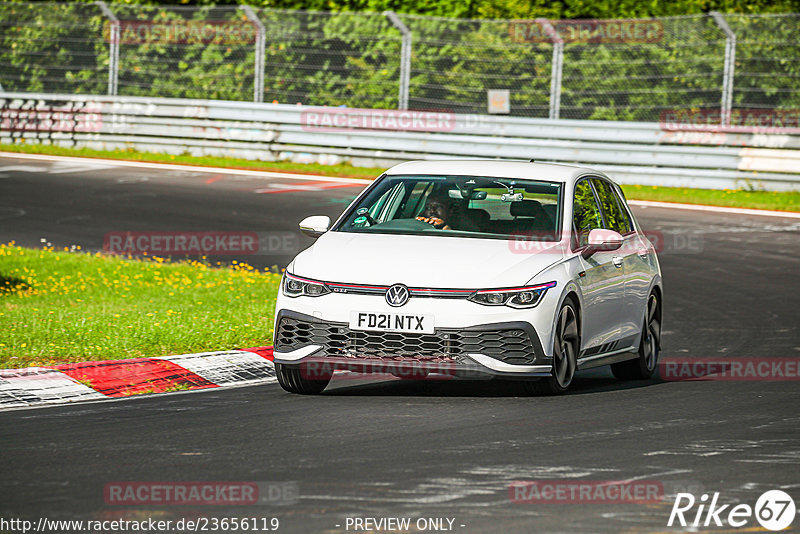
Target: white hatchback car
[(518, 270)]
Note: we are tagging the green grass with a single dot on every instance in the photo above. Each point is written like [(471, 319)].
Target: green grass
[(732, 198), (59, 306)]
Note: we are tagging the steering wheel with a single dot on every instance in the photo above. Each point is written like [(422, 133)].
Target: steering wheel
[(423, 224)]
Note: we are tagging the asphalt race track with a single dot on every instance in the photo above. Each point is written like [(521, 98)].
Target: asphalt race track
[(434, 449)]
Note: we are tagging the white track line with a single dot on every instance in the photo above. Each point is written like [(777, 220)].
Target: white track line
[(717, 209), (290, 176), (177, 166)]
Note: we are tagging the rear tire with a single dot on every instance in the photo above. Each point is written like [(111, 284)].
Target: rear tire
[(292, 380), (565, 355), (644, 365)]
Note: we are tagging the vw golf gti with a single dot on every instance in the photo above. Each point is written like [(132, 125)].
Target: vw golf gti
[(517, 270)]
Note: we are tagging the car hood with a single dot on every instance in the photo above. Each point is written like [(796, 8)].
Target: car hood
[(423, 261)]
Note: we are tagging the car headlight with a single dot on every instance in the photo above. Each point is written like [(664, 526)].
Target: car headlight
[(294, 286), (516, 297)]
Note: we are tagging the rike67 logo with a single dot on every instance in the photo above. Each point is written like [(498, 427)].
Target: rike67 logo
[(774, 510)]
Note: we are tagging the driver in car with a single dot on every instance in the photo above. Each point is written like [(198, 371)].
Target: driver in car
[(441, 215)]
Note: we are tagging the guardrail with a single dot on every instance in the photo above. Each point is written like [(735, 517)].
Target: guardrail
[(631, 152)]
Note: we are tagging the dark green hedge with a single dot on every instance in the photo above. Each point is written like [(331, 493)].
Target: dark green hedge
[(353, 59)]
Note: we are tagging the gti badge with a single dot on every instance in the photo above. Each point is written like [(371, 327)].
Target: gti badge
[(397, 295)]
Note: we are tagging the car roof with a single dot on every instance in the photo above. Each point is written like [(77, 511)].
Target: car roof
[(552, 172)]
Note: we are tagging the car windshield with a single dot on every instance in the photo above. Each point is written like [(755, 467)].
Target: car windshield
[(458, 206)]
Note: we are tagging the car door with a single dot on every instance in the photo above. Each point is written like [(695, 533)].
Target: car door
[(601, 280), (639, 265)]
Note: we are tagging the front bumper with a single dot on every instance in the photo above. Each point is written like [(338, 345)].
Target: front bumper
[(510, 349)]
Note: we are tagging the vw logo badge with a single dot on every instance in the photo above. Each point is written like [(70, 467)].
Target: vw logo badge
[(397, 295)]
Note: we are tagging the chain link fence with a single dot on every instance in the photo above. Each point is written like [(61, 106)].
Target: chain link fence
[(343, 59), (767, 73), (192, 52), (592, 69), (53, 48)]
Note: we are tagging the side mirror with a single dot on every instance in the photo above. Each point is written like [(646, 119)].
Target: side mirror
[(601, 239), (315, 226)]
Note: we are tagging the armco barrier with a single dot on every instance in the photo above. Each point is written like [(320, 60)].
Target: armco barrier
[(631, 152)]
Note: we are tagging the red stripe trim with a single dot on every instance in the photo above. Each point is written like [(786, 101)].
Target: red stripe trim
[(426, 290), (264, 352), (413, 290), (122, 378), (357, 287)]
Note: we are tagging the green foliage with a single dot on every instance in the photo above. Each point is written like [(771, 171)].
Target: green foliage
[(319, 59), (353, 58), (515, 9), (220, 69), (52, 48), (611, 81), (69, 306), (766, 61)]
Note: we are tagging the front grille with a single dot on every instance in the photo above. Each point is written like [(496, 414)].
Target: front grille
[(512, 345)]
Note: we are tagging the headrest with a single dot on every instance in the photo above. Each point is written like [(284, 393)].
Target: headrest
[(527, 208)]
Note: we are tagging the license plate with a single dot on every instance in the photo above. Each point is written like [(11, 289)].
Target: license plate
[(391, 322)]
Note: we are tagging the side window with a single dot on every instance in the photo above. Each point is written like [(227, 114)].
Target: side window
[(383, 209), (616, 218), (393, 203), (585, 213), (379, 204), (623, 206)]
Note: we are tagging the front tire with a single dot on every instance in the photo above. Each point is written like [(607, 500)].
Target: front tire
[(643, 367), (565, 355), (292, 380)]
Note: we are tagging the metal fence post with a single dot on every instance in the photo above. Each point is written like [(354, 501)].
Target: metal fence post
[(261, 41), (728, 70), (556, 68), (113, 47), (405, 58)]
